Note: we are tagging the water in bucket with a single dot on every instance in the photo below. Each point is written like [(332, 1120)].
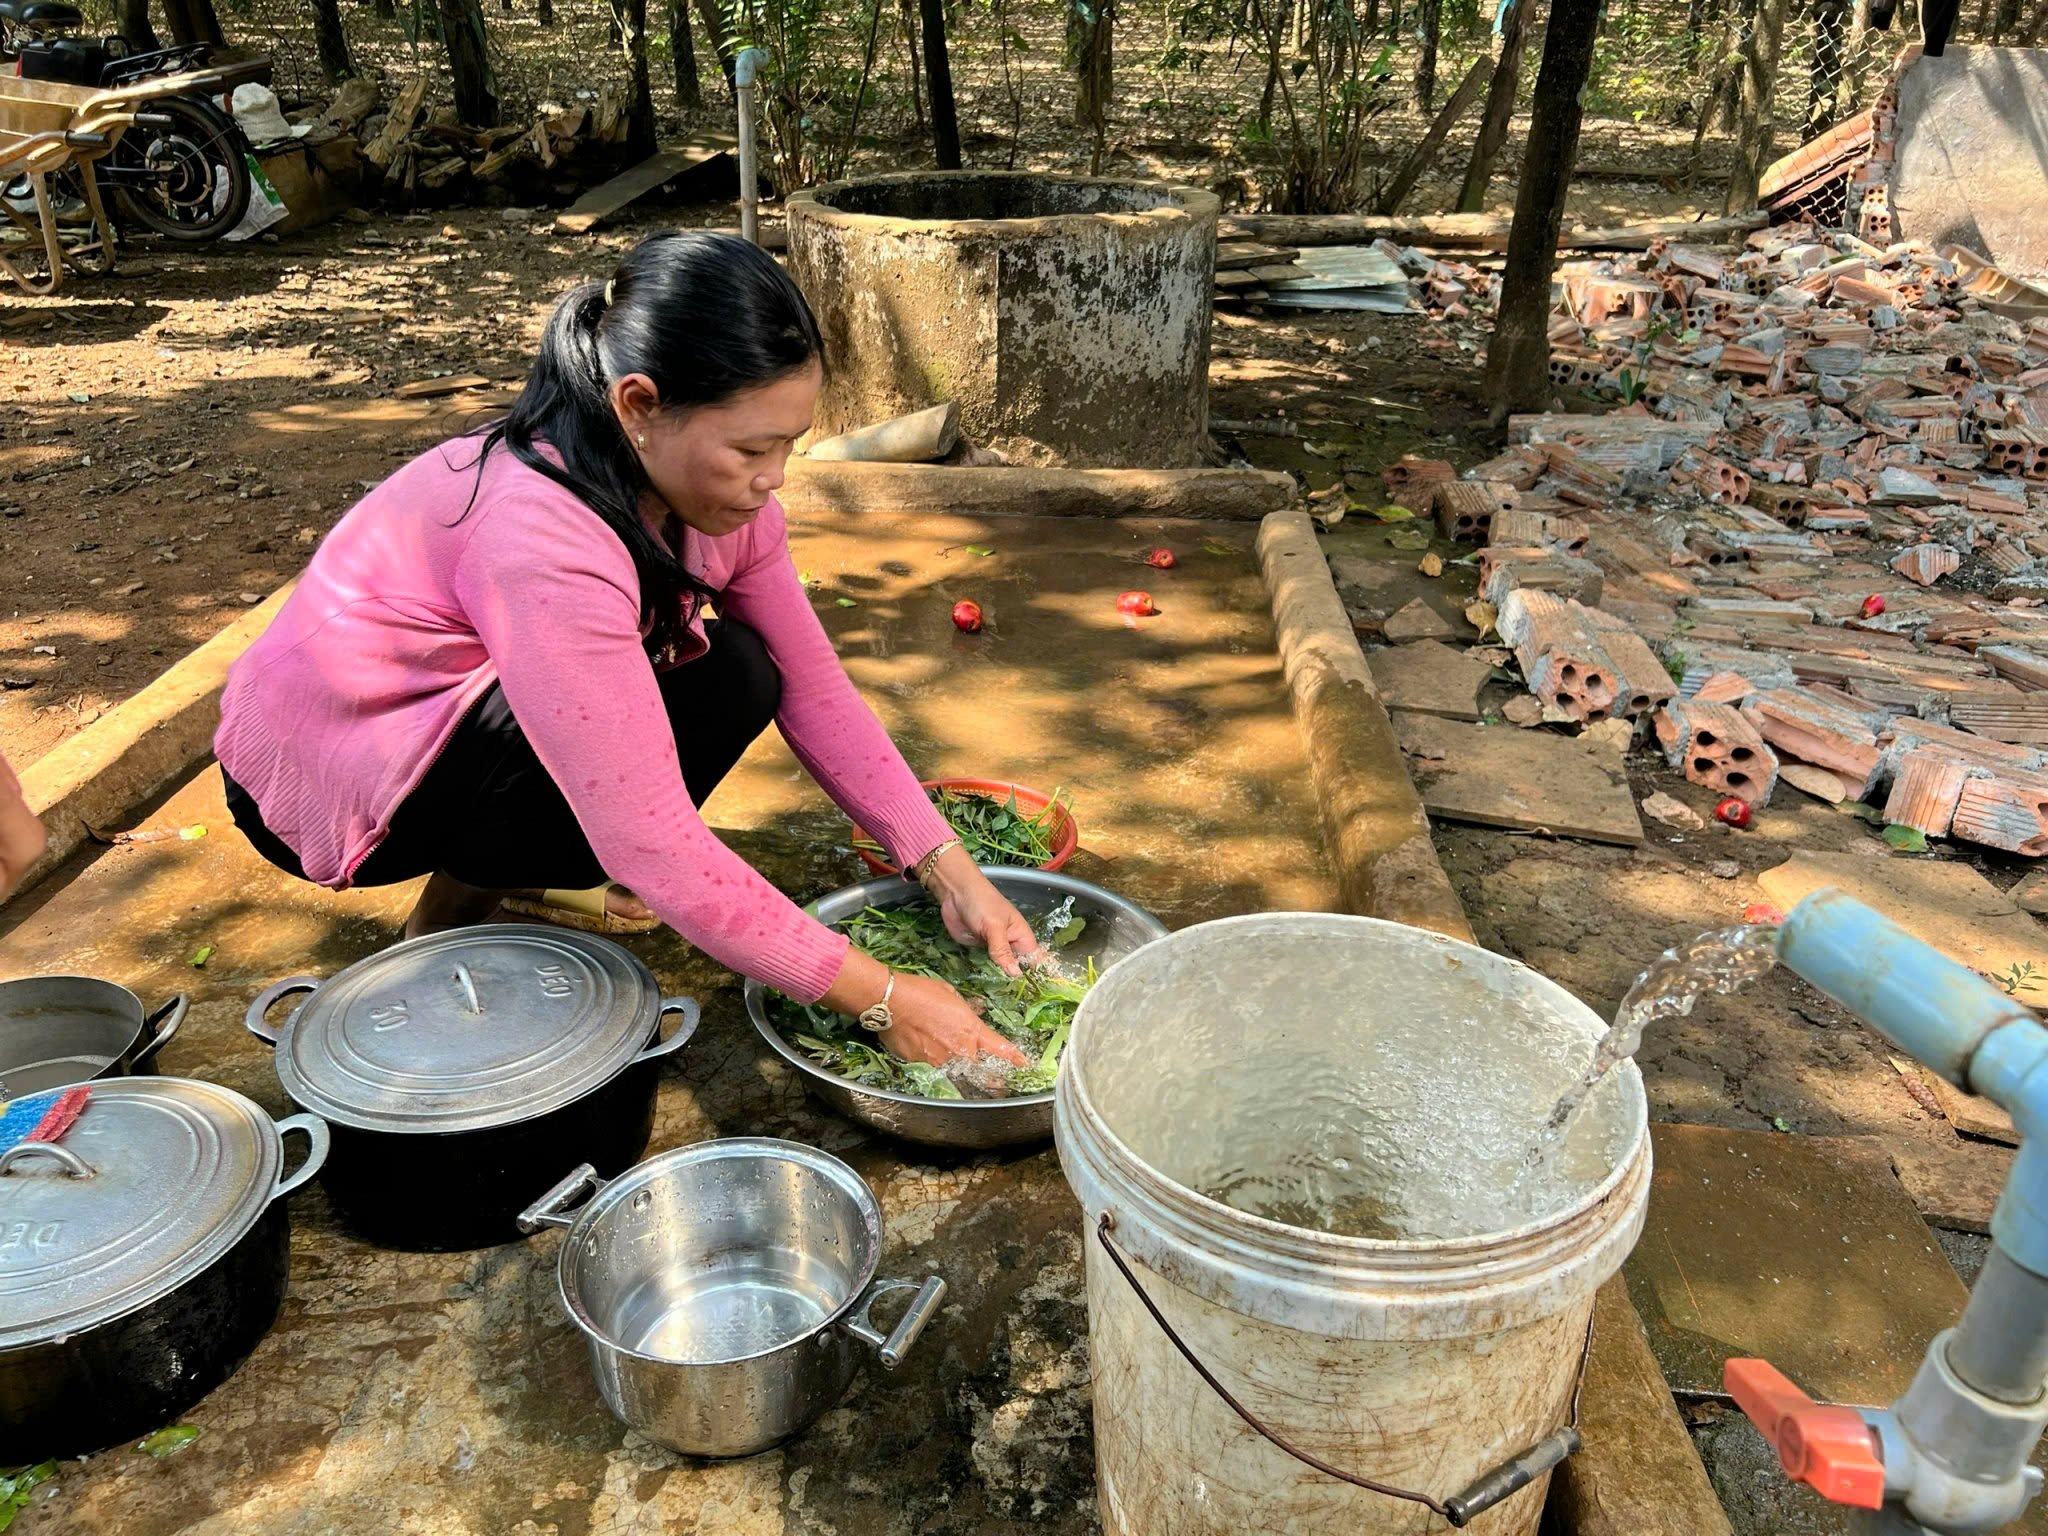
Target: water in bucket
[(1378, 1093)]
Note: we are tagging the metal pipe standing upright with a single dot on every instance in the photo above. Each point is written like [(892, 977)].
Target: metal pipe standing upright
[(746, 70)]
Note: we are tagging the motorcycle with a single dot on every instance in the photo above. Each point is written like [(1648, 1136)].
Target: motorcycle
[(184, 174)]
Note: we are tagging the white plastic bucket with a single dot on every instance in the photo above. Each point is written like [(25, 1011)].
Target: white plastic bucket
[(1418, 1363)]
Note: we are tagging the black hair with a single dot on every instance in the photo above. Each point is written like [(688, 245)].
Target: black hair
[(705, 317)]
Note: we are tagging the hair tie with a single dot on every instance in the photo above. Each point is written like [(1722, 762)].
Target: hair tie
[(608, 292)]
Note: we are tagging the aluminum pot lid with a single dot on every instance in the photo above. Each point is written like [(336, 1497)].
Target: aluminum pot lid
[(179, 1172), (468, 1029)]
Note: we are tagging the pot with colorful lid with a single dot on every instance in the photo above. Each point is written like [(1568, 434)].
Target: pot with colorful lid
[(460, 1071), (143, 1255)]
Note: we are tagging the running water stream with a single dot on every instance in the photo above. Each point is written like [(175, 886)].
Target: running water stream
[(1719, 962)]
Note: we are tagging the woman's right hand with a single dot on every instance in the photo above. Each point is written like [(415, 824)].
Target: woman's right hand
[(936, 1024)]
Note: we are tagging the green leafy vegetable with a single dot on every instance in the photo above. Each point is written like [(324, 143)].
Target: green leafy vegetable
[(979, 549), (1034, 1012), (1906, 839), (203, 954), (845, 602), (168, 1441), (16, 1486), (996, 831)]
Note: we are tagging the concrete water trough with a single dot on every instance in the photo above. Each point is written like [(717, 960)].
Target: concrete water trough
[(1068, 318)]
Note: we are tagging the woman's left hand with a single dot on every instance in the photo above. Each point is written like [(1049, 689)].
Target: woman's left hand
[(977, 913)]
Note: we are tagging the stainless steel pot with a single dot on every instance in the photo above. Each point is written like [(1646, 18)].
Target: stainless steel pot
[(1115, 927), (59, 1030), (725, 1289)]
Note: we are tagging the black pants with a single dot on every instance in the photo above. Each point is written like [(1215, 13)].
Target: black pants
[(489, 814)]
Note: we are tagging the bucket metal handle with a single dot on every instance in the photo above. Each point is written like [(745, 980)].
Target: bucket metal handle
[(162, 1025), (893, 1348), (1460, 1509), (552, 1208)]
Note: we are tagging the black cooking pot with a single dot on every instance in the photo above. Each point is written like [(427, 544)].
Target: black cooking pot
[(462, 1071), (142, 1257), (58, 1030)]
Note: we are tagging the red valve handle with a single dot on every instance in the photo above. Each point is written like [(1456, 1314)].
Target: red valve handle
[(1828, 1447)]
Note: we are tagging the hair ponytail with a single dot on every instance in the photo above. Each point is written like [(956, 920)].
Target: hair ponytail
[(705, 317)]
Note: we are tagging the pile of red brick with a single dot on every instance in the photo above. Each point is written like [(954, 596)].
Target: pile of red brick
[(1823, 518)]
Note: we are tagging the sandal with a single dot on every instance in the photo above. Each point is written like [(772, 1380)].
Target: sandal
[(587, 910)]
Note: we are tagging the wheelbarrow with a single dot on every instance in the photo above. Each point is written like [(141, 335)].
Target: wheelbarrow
[(51, 129)]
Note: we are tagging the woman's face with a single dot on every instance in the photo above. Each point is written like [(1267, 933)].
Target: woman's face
[(716, 466)]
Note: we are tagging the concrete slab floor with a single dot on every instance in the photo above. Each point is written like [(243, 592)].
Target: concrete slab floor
[(446, 1394)]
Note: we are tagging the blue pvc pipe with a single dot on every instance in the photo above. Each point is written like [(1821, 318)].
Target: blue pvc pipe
[(1947, 1016)]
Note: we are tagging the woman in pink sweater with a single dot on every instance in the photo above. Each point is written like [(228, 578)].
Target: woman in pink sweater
[(497, 670)]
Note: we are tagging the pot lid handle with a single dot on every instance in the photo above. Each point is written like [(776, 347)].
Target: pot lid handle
[(687, 1007), (254, 1020), (316, 1151), (76, 1166)]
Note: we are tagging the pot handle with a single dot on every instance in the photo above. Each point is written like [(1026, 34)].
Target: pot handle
[(551, 1209), (687, 1007), (164, 1022), (74, 1165), (316, 1153), (893, 1348), (254, 1020)]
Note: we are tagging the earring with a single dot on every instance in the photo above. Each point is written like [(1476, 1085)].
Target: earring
[(640, 438)]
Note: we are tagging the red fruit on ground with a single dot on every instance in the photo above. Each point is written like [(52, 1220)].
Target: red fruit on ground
[(967, 617)]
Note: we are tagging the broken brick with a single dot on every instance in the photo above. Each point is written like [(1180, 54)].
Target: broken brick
[(1925, 790), (1715, 746), (1926, 563)]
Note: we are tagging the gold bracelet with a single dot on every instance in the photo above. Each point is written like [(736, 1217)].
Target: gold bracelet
[(879, 1018), (930, 861)]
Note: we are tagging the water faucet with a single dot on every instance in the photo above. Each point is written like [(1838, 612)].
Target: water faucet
[(1950, 1456)]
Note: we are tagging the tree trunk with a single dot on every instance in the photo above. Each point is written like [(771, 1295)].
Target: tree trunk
[(1756, 80), (544, 12), (682, 49), (135, 28), (1518, 360), (939, 69), (1090, 25), (1830, 22), (386, 9), (1425, 72), (906, 11), (714, 32), (2007, 20), (1859, 53), (192, 21), (469, 61), (2038, 27), (631, 18), (328, 38), (1500, 110), (1695, 23)]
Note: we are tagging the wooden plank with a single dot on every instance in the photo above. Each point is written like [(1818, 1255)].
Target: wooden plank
[(1430, 678), (1229, 278), (1234, 254), (657, 170), (1466, 231), (1424, 154), (1947, 905), (1969, 1114), (1528, 780), (1637, 1473), (2018, 718), (1746, 1227)]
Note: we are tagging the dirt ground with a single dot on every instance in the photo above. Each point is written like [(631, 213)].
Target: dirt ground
[(174, 441)]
